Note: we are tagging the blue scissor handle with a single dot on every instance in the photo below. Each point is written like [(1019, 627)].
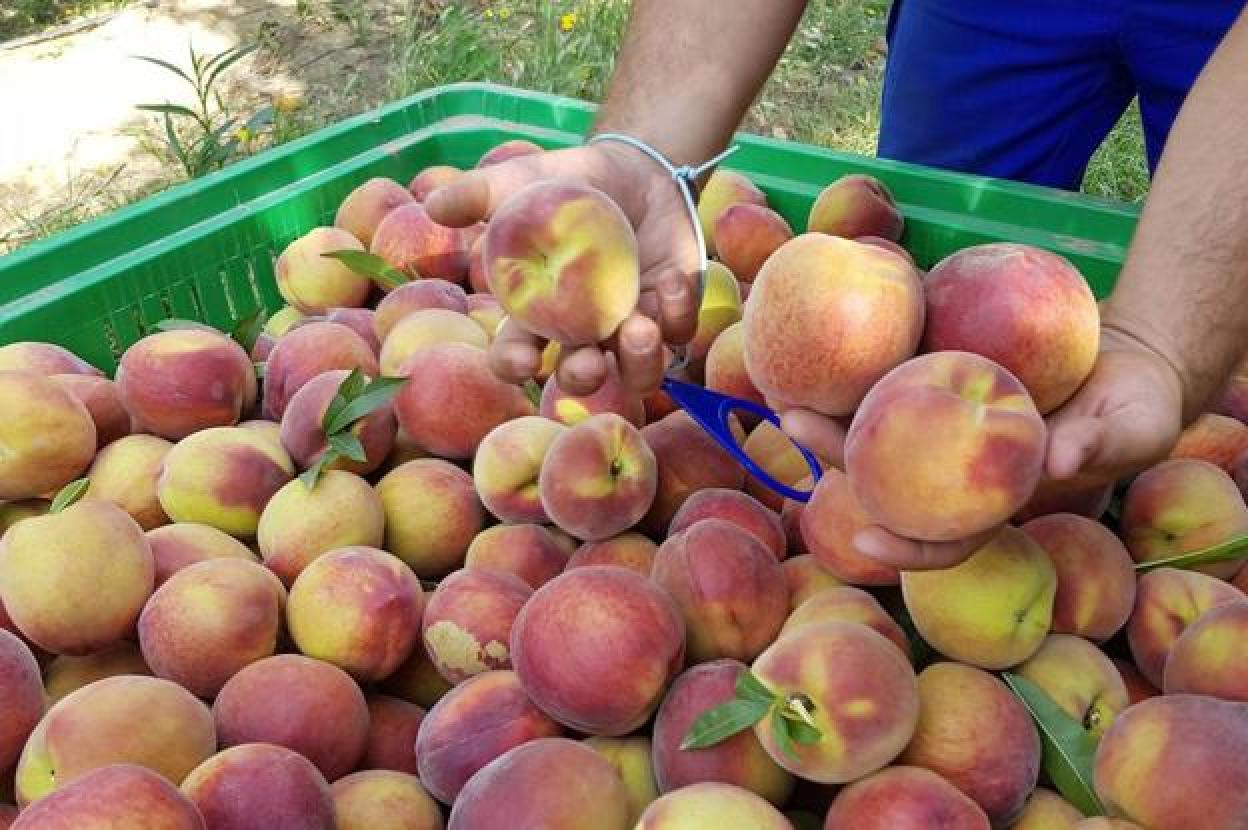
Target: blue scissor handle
[(711, 410)]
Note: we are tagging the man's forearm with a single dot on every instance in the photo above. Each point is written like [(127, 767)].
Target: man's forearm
[(689, 70), (1184, 288)]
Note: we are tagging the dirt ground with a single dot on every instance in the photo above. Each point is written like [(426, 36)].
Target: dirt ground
[(72, 143)]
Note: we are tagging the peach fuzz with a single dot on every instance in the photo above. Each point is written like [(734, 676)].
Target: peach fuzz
[(544, 784), (1218, 439), (687, 460), (393, 724), (828, 524), (358, 608), (808, 294), (727, 585), (127, 719), (856, 205), (1176, 761), (628, 550), (428, 327), (506, 466), (314, 283), (261, 785), (432, 515), (725, 366), (115, 796), (598, 478), (746, 234), (21, 698), (859, 690), (175, 546), (1023, 307), (457, 400), (806, 577), (710, 804), (562, 259), (103, 402), (1046, 810), (364, 207), (738, 760), (1095, 575), (1080, 679), (431, 178), (74, 582), (419, 247), (384, 800), (770, 448), (44, 359), (69, 674), (611, 396), (531, 552), (476, 722), (1208, 658), (845, 602), (306, 352), (302, 435), (468, 622), (984, 467), (223, 477), (48, 435), (724, 189), (303, 704), (619, 639), (1167, 601), (416, 296), (904, 798), (125, 472)]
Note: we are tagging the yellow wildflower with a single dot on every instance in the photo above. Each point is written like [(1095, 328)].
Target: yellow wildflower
[(567, 21), (243, 135), (489, 14), (504, 13)]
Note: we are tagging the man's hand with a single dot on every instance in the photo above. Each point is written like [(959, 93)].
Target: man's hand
[(668, 309)]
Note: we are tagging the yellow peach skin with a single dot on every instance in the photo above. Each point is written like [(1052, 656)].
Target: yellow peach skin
[(384, 800), (48, 435)]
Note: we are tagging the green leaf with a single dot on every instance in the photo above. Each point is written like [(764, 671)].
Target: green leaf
[(310, 476), (533, 391), (376, 395), (804, 733), (371, 266), (168, 109), (1228, 551), (1069, 752), (347, 444), (351, 386), (69, 494), (178, 324), (260, 367), (165, 65), (749, 687), (230, 58), (175, 144), (784, 738), (246, 330), (723, 721)]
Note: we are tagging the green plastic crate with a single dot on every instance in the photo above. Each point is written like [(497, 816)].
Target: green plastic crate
[(205, 250)]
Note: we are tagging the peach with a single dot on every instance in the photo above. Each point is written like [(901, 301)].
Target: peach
[(103, 402), (384, 800), (260, 785), (364, 207), (1208, 658), (631, 757), (611, 396), (269, 430), (806, 577), (1175, 761), (359, 320), (126, 471), (393, 725), (728, 586), (300, 524), (1053, 496), (562, 259), (67, 674), (598, 478), (1095, 575), (306, 352), (746, 234), (1138, 687), (303, 436), (306, 705), (886, 244), (628, 550), (972, 474), (1179, 506), (904, 798), (687, 460), (419, 247), (711, 804), (1217, 439), (808, 295), (1080, 679), (855, 205), (428, 327), (477, 280), (12, 512), (735, 507), (596, 647), (44, 359), (467, 625), (829, 523), (739, 760), (845, 602), (416, 296), (529, 551), (508, 150), (126, 719), (476, 722), (992, 610), (1167, 602), (314, 283), (48, 435), (1023, 307), (857, 689), (725, 366), (770, 448), (176, 546), (21, 698), (431, 178), (487, 312), (74, 582), (432, 515), (1046, 810), (417, 680), (114, 796), (720, 308), (457, 400), (223, 477), (506, 467), (724, 189)]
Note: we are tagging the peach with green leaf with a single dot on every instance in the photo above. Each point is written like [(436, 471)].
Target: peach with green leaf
[(314, 283)]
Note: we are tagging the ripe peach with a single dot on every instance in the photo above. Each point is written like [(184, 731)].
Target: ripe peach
[(904, 798), (611, 396), (384, 800), (261, 785), (629, 550), (806, 577), (432, 515), (1046, 810), (428, 327), (303, 436), (66, 674), (529, 551), (1080, 679), (359, 320), (1208, 658), (419, 247), (306, 352), (103, 402), (724, 189), (770, 448), (468, 623), (176, 546), (746, 234), (487, 312), (619, 640), (364, 207), (21, 698), (1217, 439), (113, 796), (845, 602), (126, 471), (415, 296), (313, 283), (506, 467), (631, 757), (305, 705), (562, 259), (45, 359), (886, 244), (720, 308), (708, 805), (48, 435), (828, 524), (393, 725), (687, 460), (856, 205), (971, 478), (431, 178), (737, 508), (725, 366)]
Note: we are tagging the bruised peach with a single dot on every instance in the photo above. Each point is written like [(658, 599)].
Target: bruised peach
[(432, 515), (261, 785), (126, 473), (855, 205), (303, 435), (628, 550), (364, 207), (529, 551), (468, 622), (506, 467), (48, 435)]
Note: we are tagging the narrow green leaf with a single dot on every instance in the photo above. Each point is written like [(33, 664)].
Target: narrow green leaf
[(351, 386), (749, 687), (69, 494), (175, 144), (1069, 751), (371, 266), (246, 330), (804, 733), (165, 65), (780, 728), (347, 444), (233, 56), (376, 395), (178, 324), (723, 721), (310, 476), (533, 391), (260, 367), (168, 109), (1228, 551)]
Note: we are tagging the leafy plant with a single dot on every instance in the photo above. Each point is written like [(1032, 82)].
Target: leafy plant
[(216, 136), (357, 396), (1228, 551), (69, 494), (791, 717)]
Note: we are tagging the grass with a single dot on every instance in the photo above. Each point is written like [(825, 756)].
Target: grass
[(19, 18)]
